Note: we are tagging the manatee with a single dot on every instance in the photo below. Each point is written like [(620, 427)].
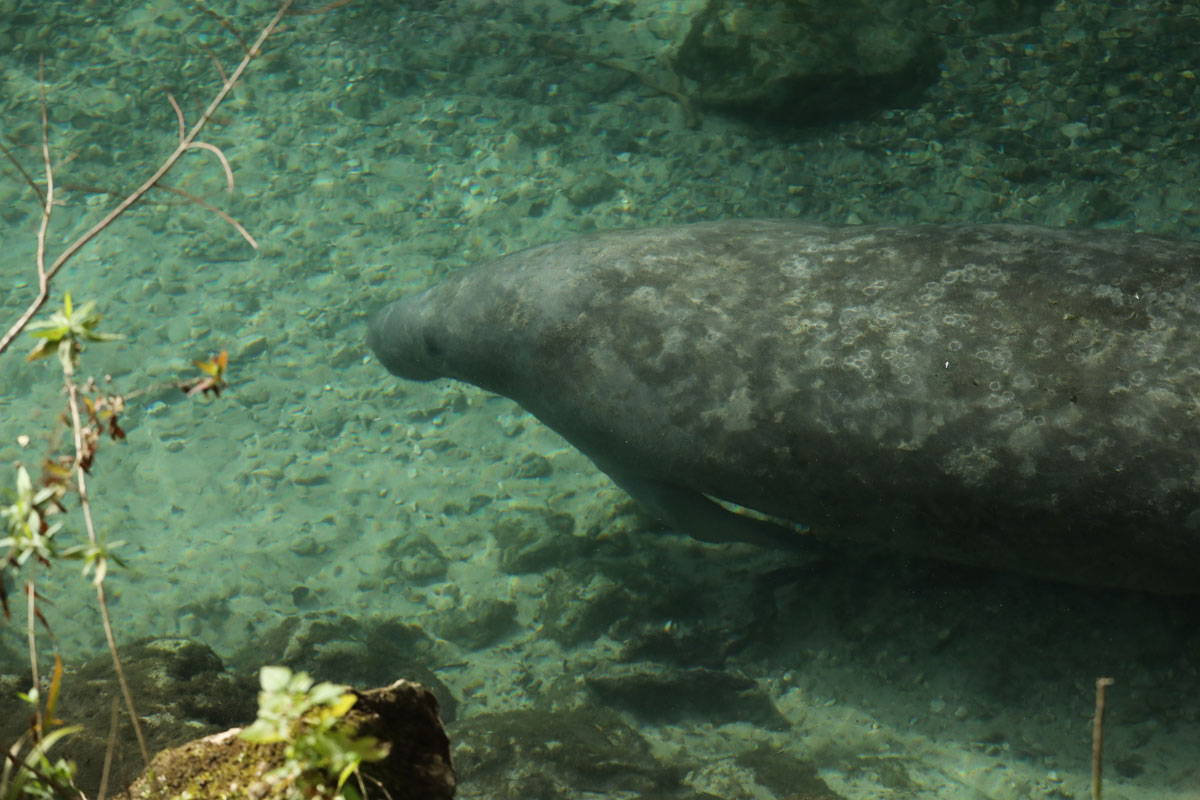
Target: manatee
[(1006, 396)]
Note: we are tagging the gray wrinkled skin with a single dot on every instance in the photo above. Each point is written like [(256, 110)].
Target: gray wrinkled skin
[(1013, 397)]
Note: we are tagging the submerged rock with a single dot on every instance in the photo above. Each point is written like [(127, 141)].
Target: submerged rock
[(808, 63), (664, 696), (525, 754), (337, 647)]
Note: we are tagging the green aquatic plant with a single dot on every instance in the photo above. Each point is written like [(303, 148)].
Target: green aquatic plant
[(27, 532), (320, 749), (65, 333), (27, 771)]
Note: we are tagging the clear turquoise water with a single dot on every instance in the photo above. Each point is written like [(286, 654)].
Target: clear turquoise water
[(381, 145)]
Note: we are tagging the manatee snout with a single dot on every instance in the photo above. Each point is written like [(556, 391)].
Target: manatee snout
[(400, 340)]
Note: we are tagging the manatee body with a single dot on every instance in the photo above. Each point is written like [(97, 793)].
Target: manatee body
[(1014, 397)]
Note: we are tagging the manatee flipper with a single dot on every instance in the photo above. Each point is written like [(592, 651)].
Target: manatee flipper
[(692, 512)]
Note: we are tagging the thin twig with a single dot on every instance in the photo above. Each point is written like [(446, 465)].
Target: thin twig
[(28, 178), (1102, 684), (224, 23), (216, 61), (202, 145), (299, 12), (32, 635), (220, 157), (178, 116), (109, 748), (186, 195), (43, 278), (245, 234)]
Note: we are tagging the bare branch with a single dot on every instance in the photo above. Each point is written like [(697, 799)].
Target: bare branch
[(114, 719), (224, 24), (185, 143), (66, 161), (28, 178), (227, 87)]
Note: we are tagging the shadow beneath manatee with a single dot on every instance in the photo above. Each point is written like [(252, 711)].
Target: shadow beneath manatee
[(999, 664)]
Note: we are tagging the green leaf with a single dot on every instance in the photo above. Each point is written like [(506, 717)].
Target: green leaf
[(324, 694), (263, 732), (274, 679), (346, 772), (24, 483), (339, 707)]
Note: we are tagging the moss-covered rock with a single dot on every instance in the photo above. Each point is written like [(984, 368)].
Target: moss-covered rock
[(404, 716)]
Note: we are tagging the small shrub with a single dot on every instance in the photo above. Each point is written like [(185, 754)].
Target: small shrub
[(319, 747)]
